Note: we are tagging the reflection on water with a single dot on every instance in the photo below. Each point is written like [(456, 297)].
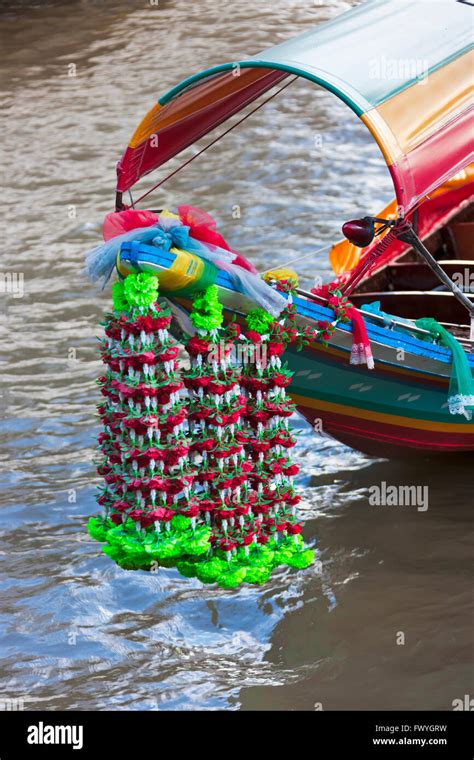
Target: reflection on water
[(75, 631)]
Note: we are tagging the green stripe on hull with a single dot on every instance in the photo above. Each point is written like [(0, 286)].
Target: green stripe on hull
[(364, 389)]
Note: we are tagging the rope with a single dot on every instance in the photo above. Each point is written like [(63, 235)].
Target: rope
[(296, 259), (213, 142)]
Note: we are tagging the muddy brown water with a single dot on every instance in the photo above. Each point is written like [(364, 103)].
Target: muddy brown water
[(76, 631)]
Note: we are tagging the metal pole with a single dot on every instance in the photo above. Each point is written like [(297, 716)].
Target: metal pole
[(410, 237)]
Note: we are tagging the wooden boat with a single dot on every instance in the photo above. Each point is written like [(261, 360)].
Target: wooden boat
[(423, 241)]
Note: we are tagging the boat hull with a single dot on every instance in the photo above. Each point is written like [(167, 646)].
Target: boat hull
[(378, 412), (397, 410)]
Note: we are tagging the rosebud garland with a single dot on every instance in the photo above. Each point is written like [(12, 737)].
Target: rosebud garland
[(265, 380), (216, 409), (196, 465), (144, 446)]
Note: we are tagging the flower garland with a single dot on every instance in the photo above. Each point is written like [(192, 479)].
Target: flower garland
[(216, 408), (265, 380), (144, 446), (345, 311), (196, 464)]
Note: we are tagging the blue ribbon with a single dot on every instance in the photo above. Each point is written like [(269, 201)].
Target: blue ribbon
[(174, 237)]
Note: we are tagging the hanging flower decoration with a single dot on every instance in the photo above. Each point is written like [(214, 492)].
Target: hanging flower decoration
[(340, 304), (118, 297), (282, 278), (324, 329), (196, 463), (259, 321), (150, 514), (207, 311), (361, 352), (141, 290)]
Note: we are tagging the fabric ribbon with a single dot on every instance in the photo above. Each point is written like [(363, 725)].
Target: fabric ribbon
[(172, 235), (361, 352), (169, 231), (249, 283), (204, 228), (100, 261), (461, 384)]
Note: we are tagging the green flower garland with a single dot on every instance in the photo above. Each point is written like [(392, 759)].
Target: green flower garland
[(260, 321), (118, 297), (183, 544), (140, 290), (206, 314), (254, 567), (185, 548), (133, 550)]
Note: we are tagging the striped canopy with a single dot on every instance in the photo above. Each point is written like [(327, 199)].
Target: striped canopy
[(403, 66)]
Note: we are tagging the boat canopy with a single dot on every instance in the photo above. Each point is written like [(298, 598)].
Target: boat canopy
[(403, 66)]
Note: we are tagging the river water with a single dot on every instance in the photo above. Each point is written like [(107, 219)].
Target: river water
[(384, 620)]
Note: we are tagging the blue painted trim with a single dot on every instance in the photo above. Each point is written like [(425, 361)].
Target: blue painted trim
[(392, 338), (132, 251)]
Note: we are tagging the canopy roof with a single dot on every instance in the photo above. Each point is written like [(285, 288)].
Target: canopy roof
[(403, 66)]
